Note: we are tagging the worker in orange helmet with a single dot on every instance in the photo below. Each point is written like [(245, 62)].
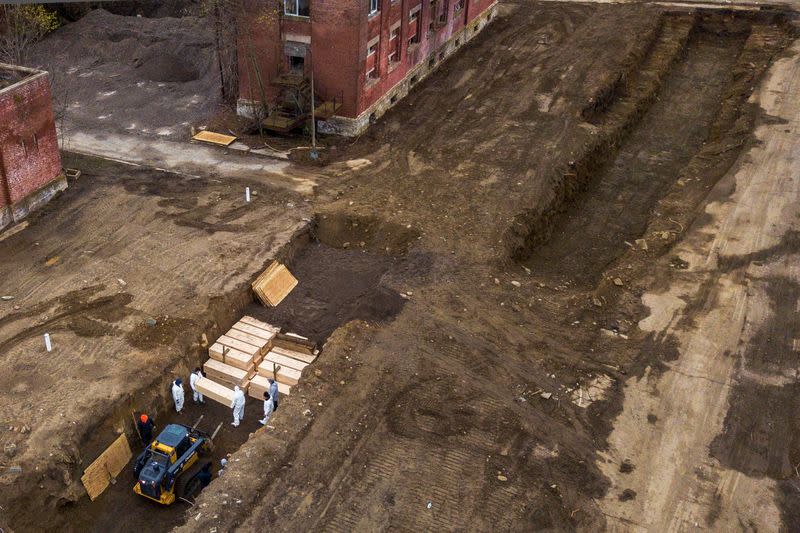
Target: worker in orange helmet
[(145, 426)]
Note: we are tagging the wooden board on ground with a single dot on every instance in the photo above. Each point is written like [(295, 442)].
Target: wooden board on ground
[(259, 324), (289, 376), (284, 360), (238, 345), (231, 356), (263, 334), (226, 374), (259, 385), (98, 475), (258, 342), (274, 284), (214, 138), (216, 391), (300, 356)]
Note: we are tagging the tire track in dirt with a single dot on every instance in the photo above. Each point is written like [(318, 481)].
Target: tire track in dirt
[(677, 483)]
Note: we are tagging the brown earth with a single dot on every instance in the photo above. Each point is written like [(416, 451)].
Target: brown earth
[(498, 200)]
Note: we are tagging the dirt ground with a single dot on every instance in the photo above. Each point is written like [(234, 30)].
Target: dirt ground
[(132, 75), (561, 304), (120, 247)]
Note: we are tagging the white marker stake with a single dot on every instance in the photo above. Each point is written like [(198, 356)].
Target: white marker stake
[(47, 343), (247, 193)]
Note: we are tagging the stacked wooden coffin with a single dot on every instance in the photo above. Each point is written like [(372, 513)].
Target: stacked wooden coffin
[(249, 353)]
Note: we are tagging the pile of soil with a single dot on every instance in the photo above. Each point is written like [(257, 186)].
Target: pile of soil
[(167, 68), (151, 76)]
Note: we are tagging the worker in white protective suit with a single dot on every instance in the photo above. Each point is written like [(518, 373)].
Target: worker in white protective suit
[(269, 407), (197, 374), (177, 394), (238, 406)]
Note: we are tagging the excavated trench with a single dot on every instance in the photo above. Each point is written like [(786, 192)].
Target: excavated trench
[(342, 264), (657, 127)]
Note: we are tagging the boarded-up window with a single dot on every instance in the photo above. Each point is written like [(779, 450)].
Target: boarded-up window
[(372, 58), (414, 25), (394, 43)]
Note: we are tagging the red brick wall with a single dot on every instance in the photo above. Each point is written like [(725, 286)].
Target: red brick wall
[(29, 156), (340, 31), (398, 10)]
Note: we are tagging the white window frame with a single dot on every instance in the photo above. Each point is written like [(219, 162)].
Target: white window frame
[(296, 6), (374, 7)]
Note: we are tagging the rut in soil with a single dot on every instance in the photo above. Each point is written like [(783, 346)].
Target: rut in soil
[(617, 204)]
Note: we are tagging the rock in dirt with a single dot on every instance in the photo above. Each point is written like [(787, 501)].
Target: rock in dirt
[(547, 395), (597, 303), (6, 298), (516, 283), (618, 282), (642, 244), (10, 450), (502, 478)]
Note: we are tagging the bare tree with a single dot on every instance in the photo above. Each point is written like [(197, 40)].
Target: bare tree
[(20, 27)]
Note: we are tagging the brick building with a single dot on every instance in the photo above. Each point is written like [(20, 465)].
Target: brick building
[(365, 55), (30, 163)]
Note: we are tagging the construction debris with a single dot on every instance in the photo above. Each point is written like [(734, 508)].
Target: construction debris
[(274, 284)]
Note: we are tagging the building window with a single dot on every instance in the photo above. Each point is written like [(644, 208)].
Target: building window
[(414, 25), (443, 14), (374, 6), (372, 59), (297, 65), (296, 8), (394, 45), (458, 6)]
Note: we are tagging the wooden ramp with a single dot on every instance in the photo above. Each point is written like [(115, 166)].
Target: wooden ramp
[(214, 138)]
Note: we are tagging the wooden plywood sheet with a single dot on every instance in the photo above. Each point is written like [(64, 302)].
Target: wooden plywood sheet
[(227, 374), (108, 465), (214, 138), (231, 356), (274, 284), (216, 391)]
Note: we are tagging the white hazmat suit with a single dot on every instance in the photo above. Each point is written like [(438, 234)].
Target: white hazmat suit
[(177, 394), (268, 408), (238, 406), (196, 396)]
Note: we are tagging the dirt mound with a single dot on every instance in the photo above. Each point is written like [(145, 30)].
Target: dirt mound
[(131, 74), (167, 68)]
